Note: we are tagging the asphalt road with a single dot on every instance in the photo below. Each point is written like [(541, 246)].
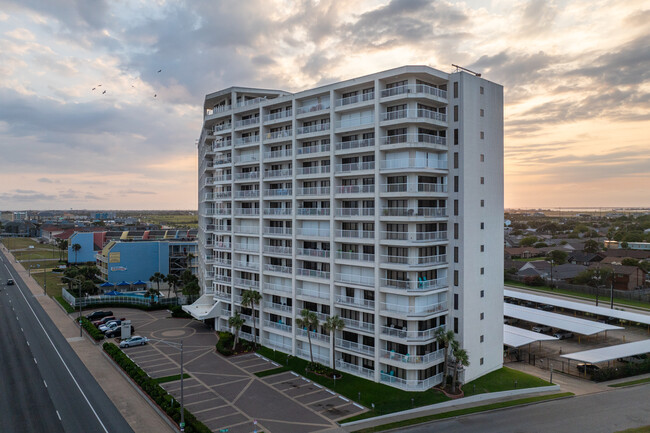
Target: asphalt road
[(604, 412), (44, 386)]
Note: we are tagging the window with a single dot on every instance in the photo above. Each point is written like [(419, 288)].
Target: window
[(482, 316), (482, 226), (482, 135), (481, 361), (455, 278), (456, 89), (482, 248), (482, 339), (455, 159), (482, 271), (482, 203), (456, 136), (455, 113), (482, 90), (455, 183), (482, 293), (455, 254), (456, 325), (455, 301), (482, 157), (482, 180), (482, 112), (455, 207), (455, 230)]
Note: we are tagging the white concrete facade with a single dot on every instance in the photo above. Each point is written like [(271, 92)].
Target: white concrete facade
[(342, 200)]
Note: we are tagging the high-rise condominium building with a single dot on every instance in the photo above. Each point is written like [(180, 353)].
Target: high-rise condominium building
[(378, 199)]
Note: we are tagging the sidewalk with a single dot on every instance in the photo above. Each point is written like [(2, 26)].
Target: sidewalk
[(567, 383), (135, 408)]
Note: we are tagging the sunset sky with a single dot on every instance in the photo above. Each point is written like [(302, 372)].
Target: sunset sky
[(576, 76)]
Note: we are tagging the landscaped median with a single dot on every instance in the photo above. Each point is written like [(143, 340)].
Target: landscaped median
[(154, 390)]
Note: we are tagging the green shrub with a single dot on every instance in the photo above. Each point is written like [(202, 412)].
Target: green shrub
[(154, 390), (92, 329), (318, 368), (67, 307), (224, 345), (626, 370), (177, 311)]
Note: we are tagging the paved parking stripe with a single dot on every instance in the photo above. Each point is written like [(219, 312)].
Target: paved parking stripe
[(206, 406), (215, 412), (226, 421), (276, 378), (314, 397)]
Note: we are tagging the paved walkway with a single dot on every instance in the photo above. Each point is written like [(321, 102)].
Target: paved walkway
[(135, 408)]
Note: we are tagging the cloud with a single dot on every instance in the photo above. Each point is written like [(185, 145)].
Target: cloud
[(133, 191), (46, 180)]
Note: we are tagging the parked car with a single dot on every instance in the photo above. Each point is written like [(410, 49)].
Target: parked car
[(609, 320), (96, 315), (136, 340), (117, 332), (110, 325), (545, 307), (10, 282), (563, 335), (589, 368), (634, 359), (103, 320), (541, 328), (510, 321)]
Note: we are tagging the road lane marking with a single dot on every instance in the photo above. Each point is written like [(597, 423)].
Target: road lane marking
[(45, 383), (64, 364), (35, 361), (59, 415)]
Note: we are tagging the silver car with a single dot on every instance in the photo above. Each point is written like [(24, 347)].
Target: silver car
[(136, 340)]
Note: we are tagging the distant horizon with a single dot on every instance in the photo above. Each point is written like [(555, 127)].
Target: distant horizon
[(537, 208)]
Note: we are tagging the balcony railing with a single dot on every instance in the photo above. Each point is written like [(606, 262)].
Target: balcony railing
[(284, 153), (313, 273), (354, 346), (247, 283), (215, 179), (247, 247), (317, 232), (355, 279), (222, 161), (277, 287), (217, 211), (355, 144), (400, 333), (411, 385), (222, 278), (355, 369), (415, 261), (247, 122), (249, 230), (278, 211), (355, 234), (415, 88), (278, 134), (247, 140), (355, 211), (313, 149), (312, 293), (348, 255), (355, 166), (218, 109), (314, 190), (247, 265), (319, 127), (354, 99), (313, 211), (286, 172), (360, 325), (414, 187), (434, 284), (312, 252), (275, 249), (224, 245), (313, 107), (221, 144), (250, 211), (313, 170), (251, 157), (356, 121), (249, 193), (249, 175), (315, 336), (280, 231), (362, 303), (248, 102), (355, 189), (277, 268), (413, 138), (415, 310), (277, 325), (411, 163), (410, 212), (277, 307), (415, 237), (279, 115), (412, 359)]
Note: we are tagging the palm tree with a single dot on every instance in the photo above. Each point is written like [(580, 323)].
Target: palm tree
[(172, 280), (331, 325), (62, 246), (309, 321), (461, 358), (248, 299), (75, 248), (445, 339), (236, 321), (157, 278)]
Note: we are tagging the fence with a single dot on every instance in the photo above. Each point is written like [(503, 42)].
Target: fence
[(133, 300)]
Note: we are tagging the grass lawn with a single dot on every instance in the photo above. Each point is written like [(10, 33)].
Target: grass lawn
[(39, 253), (54, 283), (461, 412), (502, 379), (173, 220), (38, 265), (19, 243), (530, 259), (577, 294), (386, 399), (632, 382)]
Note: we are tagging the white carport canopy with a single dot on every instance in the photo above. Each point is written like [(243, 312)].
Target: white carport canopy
[(203, 308), (517, 337), (554, 320), (579, 306), (612, 352)]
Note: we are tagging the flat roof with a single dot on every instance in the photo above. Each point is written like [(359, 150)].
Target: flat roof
[(517, 337), (579, 306), (611, 352), (559, 321)]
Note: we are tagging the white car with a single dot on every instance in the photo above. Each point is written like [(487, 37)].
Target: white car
[(136, 340), (109, 326)]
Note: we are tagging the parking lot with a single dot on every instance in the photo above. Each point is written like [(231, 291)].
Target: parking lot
[(224, 393)]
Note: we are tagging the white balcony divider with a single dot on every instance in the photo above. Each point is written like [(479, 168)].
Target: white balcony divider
[(363, 303), (355, 144), (354, 346)]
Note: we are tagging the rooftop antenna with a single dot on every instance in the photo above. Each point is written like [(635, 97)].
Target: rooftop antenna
[(460, 68)]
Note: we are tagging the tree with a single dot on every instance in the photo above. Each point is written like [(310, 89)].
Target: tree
[(75, 248), (630, 262), (88, 287), (62, 245), (528, 241), (309, 321), (331, 325), (591, 246), (558, 257), (236, 322), (461, 358), (89, 272), (249, 298), (157, 278), (172, 280), (191, 289), (445, 339)]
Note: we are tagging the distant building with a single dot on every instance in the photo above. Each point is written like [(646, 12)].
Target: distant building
[(19, 216), (102, 216)]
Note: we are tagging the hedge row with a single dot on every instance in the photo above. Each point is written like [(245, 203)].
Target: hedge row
[(154, 390), (177, 311), (224, 345), (67, 307), (627, 370), (92, 329), (151, 307)]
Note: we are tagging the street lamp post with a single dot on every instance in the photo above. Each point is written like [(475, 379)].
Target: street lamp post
[(180, 347)]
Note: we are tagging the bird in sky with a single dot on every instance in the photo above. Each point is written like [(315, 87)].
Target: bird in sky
[(99, 85), (155, 95), (159, 71), (103, 92), (94, 88)]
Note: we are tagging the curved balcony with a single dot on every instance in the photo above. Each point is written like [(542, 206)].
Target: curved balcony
[(422, 285), (430, 212), (409, 310), (420, 164), (415, 90), (413, 187)]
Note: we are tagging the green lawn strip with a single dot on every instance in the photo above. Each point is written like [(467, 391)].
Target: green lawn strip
[(54, 283), (67, 307), (272, 371), (645, 429), (502, 379), (19, 243), (530, 259), (37, 253), (602, 299), (630, 383), (171, 378), (386, 398), (465, 411)]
